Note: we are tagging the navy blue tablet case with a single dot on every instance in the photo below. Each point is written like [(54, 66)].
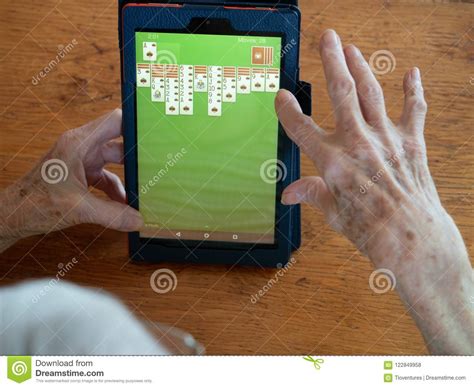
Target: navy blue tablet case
[(161, 18)]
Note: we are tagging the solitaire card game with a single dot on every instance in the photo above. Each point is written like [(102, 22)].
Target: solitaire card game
[(206, 131)]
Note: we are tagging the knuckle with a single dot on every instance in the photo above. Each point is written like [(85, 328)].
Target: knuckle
[(303, 122), (421, 105), (342, 87), (413, 149), (370, 91), (418, 104), (349, 124), (415, 90), (67, 140)]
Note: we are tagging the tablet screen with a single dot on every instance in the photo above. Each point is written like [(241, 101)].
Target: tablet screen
[(207, 136)]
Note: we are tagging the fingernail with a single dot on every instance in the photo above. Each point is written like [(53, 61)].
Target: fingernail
[(291, 198), (331, 39), (282, 95), (352, 51), (415, 74), (134, 221)]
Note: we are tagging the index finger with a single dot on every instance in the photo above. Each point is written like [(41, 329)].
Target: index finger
[(104, 128), (299, 127), (341, 86)]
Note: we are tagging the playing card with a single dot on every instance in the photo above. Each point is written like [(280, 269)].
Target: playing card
[(243, 80), (272, 81), (143, 75), (258, 80), (262, 56), (149, 51), (200, 79)]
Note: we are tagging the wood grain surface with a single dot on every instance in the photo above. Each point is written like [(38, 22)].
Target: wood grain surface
[(323, 304)]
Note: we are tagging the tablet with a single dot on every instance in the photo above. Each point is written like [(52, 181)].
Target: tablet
[(205, 158)]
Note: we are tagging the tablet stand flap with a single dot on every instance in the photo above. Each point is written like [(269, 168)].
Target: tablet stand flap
[(303, 95)]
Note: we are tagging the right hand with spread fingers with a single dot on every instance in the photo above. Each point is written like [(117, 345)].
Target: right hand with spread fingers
[(375, 187)]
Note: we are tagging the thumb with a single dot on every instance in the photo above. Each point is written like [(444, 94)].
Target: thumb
[(298, 126), (110, 214), (312, 190)]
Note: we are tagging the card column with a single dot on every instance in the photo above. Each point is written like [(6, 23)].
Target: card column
[(272, 81), (243, 80), (200, 79), (258, 80), (215, 91), (186, 90), (143, 75), (171, 90), (229, 85), (158, 83)]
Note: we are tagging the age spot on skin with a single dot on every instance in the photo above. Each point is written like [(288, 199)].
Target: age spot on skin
[(410, 235), (23, 193)]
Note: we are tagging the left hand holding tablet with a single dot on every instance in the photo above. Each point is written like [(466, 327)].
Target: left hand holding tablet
[(55, 193)]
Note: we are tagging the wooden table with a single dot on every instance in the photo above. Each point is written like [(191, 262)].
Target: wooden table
[(324, 304)]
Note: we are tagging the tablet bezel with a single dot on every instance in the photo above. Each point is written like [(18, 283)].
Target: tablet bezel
[(232, 21)]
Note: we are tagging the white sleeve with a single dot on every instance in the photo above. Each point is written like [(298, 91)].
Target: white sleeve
[(51, 317)]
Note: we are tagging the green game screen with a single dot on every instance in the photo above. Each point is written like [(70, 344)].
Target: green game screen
[(207, 136)]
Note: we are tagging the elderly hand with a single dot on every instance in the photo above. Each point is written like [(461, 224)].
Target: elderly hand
[(55, 193), (376, 189)]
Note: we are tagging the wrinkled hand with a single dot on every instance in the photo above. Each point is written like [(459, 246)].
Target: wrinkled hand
[(55, 193), (376, 189)]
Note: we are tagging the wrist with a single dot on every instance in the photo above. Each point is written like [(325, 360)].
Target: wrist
[(443, 311), (435, 281), (14, 208)]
